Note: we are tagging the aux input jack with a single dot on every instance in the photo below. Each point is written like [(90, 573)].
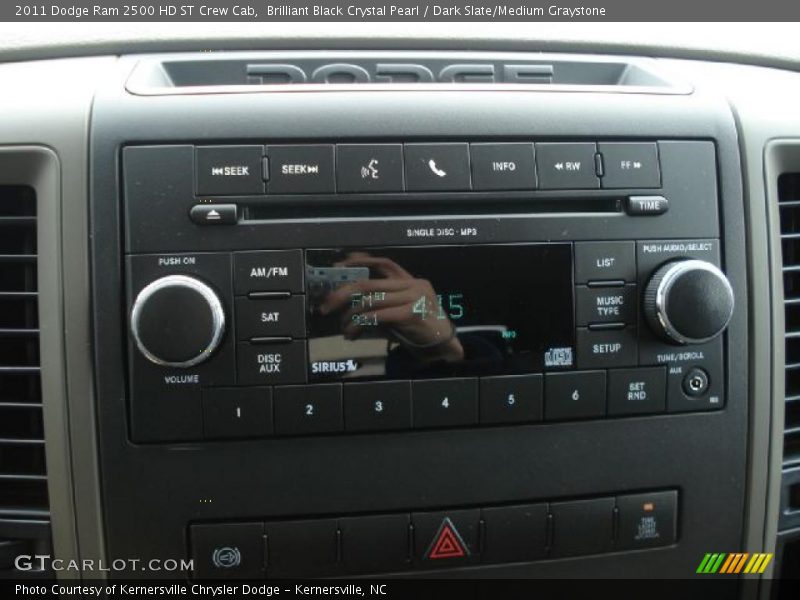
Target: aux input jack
[(695, 382)]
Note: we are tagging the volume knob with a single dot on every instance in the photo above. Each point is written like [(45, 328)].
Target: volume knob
[(177, 321), (688, 302)]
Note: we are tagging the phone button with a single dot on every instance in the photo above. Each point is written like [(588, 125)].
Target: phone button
[(437, 167)]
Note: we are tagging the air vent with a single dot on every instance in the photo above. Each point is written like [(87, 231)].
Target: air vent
[(24, 511), (789, 204)]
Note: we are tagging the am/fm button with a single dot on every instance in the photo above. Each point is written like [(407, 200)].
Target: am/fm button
[(268, 271)]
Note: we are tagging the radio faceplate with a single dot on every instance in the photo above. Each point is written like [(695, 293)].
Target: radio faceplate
[(449, 321)]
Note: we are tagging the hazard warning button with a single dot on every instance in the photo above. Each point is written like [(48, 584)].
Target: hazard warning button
[(446, 538)]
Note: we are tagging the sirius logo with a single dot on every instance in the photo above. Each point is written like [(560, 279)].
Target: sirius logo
[(334, 366)]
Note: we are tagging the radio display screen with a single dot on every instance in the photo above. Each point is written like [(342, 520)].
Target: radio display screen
[(443, 311)]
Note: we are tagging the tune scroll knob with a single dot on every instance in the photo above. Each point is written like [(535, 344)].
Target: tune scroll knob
[(177, 321), (688, 302)]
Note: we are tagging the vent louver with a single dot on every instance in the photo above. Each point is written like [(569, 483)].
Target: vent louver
[(24, 511), (789, 205)]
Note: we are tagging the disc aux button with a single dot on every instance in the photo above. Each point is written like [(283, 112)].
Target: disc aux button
[(267, 364)]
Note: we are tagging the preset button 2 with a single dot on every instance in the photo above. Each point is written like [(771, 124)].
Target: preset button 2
[(302, 409)]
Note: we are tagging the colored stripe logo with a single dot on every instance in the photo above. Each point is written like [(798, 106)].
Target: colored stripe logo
[(734, 563)]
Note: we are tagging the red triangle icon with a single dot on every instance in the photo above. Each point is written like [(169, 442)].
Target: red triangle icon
[(447, 543)]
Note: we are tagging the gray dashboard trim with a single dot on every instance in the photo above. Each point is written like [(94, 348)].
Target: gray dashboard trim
[(38, 167), (49, 135), (764, 44)]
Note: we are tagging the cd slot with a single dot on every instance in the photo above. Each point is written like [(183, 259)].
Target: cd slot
[(408, 207)]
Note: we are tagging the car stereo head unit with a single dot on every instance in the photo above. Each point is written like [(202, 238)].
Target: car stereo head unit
[(544, 312)]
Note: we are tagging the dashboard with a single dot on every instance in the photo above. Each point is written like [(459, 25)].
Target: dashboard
[(400, 309)]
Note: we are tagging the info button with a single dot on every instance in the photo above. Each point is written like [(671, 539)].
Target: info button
[(503, 166)]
